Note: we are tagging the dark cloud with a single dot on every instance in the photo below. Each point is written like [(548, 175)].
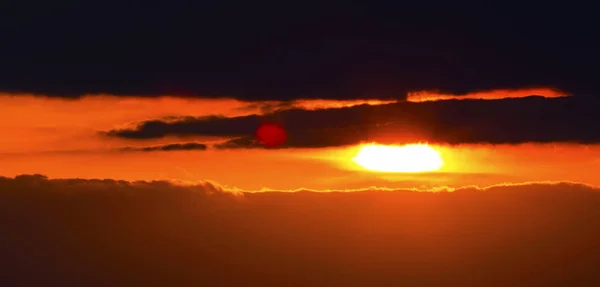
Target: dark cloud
[(531, 119), (329, 51), (168, 147), (75, 232), (189, 126)]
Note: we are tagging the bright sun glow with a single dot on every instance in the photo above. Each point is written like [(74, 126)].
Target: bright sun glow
[(407, 158)]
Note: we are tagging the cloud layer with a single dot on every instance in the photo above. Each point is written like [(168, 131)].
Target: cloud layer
[(504, 121), (325, 52), (106, 232)]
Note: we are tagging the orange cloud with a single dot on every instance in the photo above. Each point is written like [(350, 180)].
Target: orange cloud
[(424, 96), (329, 104)]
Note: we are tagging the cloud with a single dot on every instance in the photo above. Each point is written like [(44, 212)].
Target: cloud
[(107, 232), (168, 147), (486, 95), (190, 126), (266, 107), (505, 121), (311, 53)]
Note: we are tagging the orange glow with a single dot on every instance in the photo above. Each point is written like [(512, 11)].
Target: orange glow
[(328, 168), (59, 138), (424, 96), (407, 158)]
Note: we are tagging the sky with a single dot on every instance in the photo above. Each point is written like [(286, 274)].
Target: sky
[(129, 136)]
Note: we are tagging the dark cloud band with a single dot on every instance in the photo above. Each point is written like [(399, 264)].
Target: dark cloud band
[(506, 121), (325, 52)]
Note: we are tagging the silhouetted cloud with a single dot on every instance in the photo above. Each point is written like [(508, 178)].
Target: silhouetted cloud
[(75, 232), (531, 119), (321, 52), (189, 126), (168, 147)]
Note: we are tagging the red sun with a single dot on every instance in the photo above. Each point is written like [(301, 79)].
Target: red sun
[(271, 135)]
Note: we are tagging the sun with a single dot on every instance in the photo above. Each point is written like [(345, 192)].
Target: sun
[(407, 158)]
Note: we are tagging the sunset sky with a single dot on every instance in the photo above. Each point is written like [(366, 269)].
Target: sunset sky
[(104, 136), (452, 138)]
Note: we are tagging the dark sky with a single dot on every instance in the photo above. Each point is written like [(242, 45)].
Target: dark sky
[(289, 51)]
